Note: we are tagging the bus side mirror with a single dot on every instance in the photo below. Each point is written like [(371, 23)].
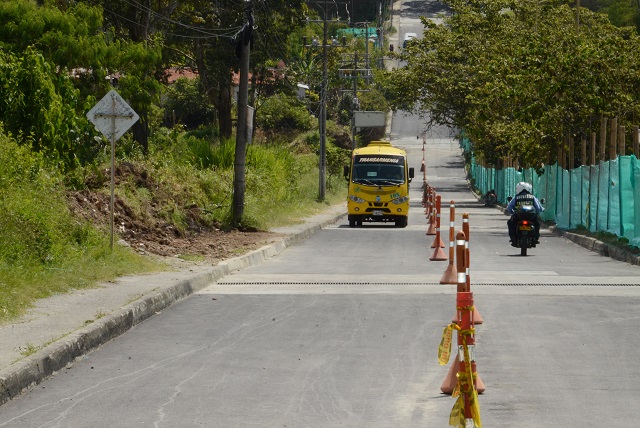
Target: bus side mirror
[(411, 174), (345, 172)]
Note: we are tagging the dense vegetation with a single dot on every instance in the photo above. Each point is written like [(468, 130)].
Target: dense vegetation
[(521, 78), (516, 76), (57, 58)]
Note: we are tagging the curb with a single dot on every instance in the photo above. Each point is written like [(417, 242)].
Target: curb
[(33, 369), (591, 244)]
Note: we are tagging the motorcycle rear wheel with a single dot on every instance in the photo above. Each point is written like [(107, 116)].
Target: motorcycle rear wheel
[(523, 246)]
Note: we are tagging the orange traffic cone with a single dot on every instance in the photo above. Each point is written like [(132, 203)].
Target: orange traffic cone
[(432, 225), (450, 275), (438, 255), (451, 380), (437, 240), (477, 318)]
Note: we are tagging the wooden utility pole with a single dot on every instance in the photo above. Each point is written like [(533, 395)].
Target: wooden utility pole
[(239, 183), (613, 139), (622, 149), (322, 162), (571, 144), (603, 136)]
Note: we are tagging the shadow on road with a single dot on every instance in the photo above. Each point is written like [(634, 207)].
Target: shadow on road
[(418, 8)]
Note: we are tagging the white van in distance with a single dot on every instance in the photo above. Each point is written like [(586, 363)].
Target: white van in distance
[(407, 37)]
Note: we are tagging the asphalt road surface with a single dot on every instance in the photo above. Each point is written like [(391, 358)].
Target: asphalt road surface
[(343, 330)]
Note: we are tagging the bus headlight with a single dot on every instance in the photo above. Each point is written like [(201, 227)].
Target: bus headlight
[(401, 200), (356, 199)]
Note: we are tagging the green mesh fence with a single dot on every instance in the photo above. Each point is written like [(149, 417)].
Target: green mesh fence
[(598, 197)]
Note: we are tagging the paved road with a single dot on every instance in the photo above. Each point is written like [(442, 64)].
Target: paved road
[(343, 329)]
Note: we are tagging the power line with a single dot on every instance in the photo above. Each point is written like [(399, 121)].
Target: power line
[(204, 33)]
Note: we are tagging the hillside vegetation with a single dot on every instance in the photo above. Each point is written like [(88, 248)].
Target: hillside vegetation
[(173, 202), (174, 169), (515, 77)]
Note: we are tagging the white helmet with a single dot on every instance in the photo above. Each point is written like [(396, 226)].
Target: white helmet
[(523, 186)]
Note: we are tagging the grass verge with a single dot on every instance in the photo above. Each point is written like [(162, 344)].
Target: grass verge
[(47, 249)]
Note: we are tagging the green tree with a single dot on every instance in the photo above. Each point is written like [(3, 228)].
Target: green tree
[(72, 37), (621, 13), (37, 106), (134, 32), (185, 104), (205, 34), (519, 77), (140, 63)]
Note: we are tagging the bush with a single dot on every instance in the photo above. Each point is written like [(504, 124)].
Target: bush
[(36, 227), (282, 112), (37, 107), (44, 249), (186, 105)]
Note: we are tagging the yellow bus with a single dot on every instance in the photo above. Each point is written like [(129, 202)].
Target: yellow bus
[(378, 185)]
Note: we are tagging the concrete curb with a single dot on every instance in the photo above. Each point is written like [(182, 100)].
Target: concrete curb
[(591, 244), (35, 368), (599, 247)]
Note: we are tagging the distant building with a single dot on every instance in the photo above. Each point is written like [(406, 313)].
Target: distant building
[(174, 73)]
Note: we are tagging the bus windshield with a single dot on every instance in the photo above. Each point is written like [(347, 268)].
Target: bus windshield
[(378, 170)]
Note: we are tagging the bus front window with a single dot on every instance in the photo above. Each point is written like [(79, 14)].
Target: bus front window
[(379, 173)]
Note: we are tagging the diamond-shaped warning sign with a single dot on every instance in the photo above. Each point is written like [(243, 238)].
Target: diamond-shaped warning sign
[(112, 116)]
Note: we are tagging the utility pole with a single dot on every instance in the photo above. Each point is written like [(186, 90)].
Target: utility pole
[(355, 102), (323, 113), (322, 162), (239, 185)]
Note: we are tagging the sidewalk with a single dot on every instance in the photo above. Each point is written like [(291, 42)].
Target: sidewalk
[(64, 327)]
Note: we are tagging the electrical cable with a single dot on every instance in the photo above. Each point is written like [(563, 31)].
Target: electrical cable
[(230, 32)]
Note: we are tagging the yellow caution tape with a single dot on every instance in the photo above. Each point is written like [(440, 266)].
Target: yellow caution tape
[(456, 389), (444, 349), (465, 386), (456, 417)]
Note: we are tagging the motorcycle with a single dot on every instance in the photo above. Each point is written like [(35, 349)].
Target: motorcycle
[(525, 228), (490, 199)]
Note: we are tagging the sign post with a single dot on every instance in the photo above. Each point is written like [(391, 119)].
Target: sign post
[(113, 117)]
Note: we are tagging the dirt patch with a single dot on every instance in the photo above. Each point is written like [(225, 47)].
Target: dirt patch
[(146, 231)]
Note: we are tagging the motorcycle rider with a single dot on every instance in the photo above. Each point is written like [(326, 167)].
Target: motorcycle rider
[(524, 196), (490, 198)]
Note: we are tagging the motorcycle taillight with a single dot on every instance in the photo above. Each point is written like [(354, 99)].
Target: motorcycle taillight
[(525, 222)]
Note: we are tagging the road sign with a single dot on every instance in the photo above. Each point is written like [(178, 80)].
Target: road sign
[(112, 116), (367, 119)]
